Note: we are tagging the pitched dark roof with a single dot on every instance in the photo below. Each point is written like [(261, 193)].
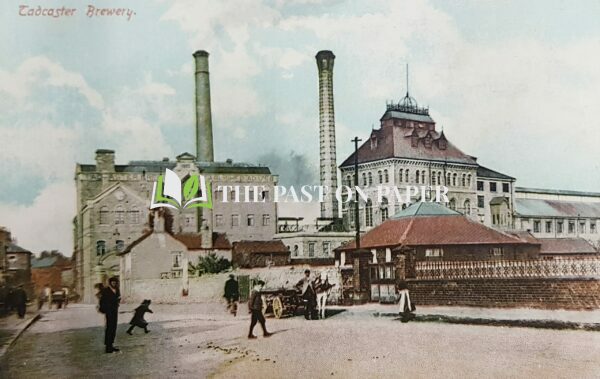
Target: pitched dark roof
[(260, 247), (394, 141), (484, 172), (43, 262), (13, 248), (137, 242), (499, 200), (193, 241), (566, 246), (432, 231)]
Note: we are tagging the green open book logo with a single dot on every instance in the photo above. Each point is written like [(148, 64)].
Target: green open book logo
[(168, 192)]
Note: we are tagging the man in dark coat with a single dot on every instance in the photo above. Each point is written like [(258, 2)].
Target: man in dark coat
[(255, 306), (20, 301), (109, 305), (232, 294), (305, 286), (138, 317)]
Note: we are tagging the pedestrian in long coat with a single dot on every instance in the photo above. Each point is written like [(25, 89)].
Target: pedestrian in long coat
[(232, 294), (306, 288), (20, 301), (138, 318), (255, 305), (110, 297)]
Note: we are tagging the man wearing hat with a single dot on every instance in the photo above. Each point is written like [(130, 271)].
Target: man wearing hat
[(305, 286), (232, 294), (109, 305)]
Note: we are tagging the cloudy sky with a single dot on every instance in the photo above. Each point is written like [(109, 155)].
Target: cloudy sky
[(513, 83)]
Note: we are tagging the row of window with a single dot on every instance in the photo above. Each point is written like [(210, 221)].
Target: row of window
[(493, 187), (242, 196), (419, 176), (558, 225), (121, 215), (102, 249), (312, 246), (236, 220)]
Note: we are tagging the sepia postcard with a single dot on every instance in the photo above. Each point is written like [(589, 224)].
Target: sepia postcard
[(299, 189)]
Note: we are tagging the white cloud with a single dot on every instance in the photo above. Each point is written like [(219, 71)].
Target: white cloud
[(45, 224), (41, 71)]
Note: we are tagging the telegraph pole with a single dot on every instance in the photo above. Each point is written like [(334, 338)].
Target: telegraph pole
[(356, 140)]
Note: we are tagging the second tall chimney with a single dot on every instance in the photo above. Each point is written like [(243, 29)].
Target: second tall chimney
[(204, 135), (328, 165)]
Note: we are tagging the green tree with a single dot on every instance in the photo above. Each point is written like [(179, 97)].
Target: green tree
[(212, 264)]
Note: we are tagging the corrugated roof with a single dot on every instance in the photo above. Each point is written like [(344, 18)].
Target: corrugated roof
[(484, 172), (556, 208), (556, 192), (566, 246), (424, 209)]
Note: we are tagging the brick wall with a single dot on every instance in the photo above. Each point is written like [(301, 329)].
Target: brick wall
[(556, 293)]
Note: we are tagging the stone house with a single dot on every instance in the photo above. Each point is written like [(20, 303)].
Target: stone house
[(51, 269)]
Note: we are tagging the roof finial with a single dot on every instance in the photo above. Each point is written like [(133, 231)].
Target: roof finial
[(407, 79)]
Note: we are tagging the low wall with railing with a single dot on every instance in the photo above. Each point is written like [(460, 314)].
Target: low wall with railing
[(503, 269), (549, 284)]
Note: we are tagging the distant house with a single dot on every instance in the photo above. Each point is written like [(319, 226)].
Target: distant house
[(16, 263), (249, 254), (52, 269), (566, 248)]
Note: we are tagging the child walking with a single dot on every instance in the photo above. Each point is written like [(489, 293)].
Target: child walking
[(138, 317)]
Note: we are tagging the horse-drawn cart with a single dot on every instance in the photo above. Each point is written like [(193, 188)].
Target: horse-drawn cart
[(281, 302)]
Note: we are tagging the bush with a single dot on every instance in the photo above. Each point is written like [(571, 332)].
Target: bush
[(212, 264)]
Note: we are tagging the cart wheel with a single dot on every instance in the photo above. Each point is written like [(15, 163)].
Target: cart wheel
[(277, 307)]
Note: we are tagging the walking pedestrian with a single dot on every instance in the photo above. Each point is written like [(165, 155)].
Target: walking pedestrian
[(232, 294), (20, 301), (407, 308), (255, 305), (48, 295), (66, 293), (138, 318), (109, 305), (305, 286)]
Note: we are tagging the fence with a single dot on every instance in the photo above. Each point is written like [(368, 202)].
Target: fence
[(556, 268)]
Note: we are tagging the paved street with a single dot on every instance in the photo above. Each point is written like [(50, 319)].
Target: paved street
[(202, 341)]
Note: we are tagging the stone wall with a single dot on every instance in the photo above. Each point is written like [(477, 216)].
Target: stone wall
[(209, 288), (551, 293)]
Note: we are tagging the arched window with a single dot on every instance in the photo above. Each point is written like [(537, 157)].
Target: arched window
[(433, 178), (467, 207), (369, 213), (401, 175), (469, 180), (364, 179), (423, 177), (406, 172), (119, 215), (100, 248), (120, 245), (417, 174), (134, 215), (370, 178), (103, 215), (439, 175), (464, 180), (452, 204), (448, 179), (380, 176), (384, 209), (349, 181), (295, 250), (454, 179), (386, 176)]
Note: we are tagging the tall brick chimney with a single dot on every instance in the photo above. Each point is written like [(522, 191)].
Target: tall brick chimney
[(204, 135), (328, 165)]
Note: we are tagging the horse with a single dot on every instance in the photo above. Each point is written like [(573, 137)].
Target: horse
[(322, 290)]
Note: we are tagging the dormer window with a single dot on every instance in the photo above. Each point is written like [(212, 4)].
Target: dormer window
[(373, 142)]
